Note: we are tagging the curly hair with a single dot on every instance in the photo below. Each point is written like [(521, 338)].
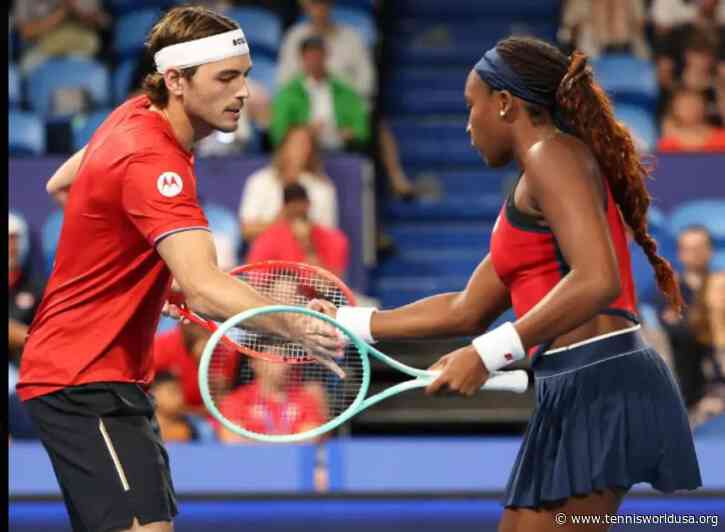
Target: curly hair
[(581, 107)]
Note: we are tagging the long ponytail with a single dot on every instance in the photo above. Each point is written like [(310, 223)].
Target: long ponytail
[(586, 111)]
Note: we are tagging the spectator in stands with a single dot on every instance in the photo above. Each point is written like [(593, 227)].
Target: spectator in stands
[(24, 295), (694, 251), (174, 423), (348, 56), (675, 22), (598, 27), (297, 160), (178, 351), (295, 237), (51, 28), (276, 400), (334, 111), (350, 60), (708, 322), (685, 127)]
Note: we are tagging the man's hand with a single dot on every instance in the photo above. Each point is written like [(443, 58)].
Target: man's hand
[(321, 341), (323, 306), (461, 371)]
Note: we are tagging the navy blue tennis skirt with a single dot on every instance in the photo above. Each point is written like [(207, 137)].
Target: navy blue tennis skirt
[(608, 415)]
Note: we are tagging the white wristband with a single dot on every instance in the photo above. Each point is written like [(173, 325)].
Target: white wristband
[(499, 347), (357, 319)]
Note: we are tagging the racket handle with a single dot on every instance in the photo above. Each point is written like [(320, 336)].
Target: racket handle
[(516, 381)]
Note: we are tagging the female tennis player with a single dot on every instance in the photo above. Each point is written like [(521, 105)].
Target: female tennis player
[(608, 412), (131, 221)]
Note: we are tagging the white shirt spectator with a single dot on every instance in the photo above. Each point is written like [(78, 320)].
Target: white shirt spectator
[(322, 110), (348, 58), (263, 194)]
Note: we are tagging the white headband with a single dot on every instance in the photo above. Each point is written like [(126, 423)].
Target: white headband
[(200, 51)]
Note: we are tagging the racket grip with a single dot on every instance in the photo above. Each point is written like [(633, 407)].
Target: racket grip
[(516, 381)]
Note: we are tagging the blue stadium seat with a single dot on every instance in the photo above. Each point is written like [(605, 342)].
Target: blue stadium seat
[(426, 143), (367, 5), (131, 29), (707, 212), (641, 124), (122, 79), (49, 236), (361, 20), (627, 79), (449, 44), (122, 7), (64, 73), (463, 9), (84, 126), (262, 29), (223, 220), (264, 71), (26, 134), (14, 90)]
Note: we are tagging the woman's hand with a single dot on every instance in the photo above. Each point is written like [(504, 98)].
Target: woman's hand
[(461, 371)]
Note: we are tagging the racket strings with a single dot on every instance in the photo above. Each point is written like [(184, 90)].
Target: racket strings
[(284, 392), (277, 398)]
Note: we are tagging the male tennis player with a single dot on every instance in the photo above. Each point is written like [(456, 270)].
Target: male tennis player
[(132, 220)]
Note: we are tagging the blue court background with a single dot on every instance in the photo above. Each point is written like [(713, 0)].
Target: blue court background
[(388, 484)]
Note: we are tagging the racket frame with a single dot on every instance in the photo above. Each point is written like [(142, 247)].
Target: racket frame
[(421, 378)]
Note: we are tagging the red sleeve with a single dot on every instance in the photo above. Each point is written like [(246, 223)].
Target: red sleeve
[(159, 196)]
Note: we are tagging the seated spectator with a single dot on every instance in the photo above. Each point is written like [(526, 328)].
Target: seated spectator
[(675, 23), (598, 27), (708, 323), (275, 401), (174, 424), (336, 114), (24, 295), (694, 251), (52, 28), (348, 57), (178, 351), (350, 60), (685, 127), (297, 161), (295, 238)]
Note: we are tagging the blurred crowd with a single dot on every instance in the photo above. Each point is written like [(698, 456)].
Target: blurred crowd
[(685, 39)]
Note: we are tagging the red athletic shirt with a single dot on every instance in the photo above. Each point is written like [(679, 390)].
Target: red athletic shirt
[(528, 260), (278, 242), (247, 406), (101, 307)]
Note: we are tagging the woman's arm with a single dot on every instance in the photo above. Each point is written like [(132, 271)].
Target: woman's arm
[(468, 312), (565, 185), (63, 178)]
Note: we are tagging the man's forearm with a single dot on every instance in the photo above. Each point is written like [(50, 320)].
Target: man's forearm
[(221, 296)]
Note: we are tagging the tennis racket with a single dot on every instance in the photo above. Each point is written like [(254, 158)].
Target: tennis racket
[(280, 402), (286, 283)]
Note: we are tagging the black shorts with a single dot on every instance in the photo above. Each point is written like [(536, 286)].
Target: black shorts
[(105, 446)]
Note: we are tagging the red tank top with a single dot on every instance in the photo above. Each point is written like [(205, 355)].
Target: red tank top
[(528, 260)]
